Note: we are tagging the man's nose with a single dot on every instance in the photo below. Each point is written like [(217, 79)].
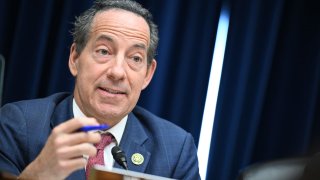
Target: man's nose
[(116, 70)]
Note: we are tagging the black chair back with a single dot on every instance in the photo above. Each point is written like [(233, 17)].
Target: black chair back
[(286, 169)]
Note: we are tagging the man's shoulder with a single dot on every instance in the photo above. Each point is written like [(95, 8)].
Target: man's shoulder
[(157, 123), (34, 107), (37, 113), (54, 99)]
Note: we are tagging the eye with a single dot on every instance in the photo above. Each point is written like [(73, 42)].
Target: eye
[(137, 59), (103, 52)]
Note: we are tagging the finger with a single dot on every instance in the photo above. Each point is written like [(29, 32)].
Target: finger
[(71, 165), (74, 152), (74, 124), (77, 138)]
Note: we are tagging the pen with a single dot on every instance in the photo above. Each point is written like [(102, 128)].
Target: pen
[(94, 127)]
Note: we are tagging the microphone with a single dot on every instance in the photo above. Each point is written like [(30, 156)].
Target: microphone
[(119, 157)]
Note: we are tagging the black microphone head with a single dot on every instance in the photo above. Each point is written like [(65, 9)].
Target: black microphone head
[(115, 150), (119, 156)]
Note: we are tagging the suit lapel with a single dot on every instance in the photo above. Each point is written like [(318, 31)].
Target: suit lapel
[(133, 142), (63, 112)]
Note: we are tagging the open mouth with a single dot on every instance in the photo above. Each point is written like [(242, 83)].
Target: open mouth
[(111, 91)]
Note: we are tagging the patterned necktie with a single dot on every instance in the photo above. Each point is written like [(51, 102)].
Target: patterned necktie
[(106, 139)]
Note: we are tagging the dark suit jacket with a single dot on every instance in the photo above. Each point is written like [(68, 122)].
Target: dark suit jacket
[(168, 150)]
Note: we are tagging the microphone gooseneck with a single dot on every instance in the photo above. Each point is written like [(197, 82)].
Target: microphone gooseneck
[(119, 157)]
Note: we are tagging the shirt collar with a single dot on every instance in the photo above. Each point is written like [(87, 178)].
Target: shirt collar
[(117, 130)]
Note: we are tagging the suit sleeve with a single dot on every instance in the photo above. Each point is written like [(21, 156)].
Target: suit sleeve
[(12, 139), (187, 167)]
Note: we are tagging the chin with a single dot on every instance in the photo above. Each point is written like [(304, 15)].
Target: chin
[(110, 114), (109, 111)]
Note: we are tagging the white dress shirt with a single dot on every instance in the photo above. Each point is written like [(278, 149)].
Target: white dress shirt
[(117, 132)]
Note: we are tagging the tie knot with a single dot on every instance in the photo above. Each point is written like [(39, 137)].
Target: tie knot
[(106, 139)]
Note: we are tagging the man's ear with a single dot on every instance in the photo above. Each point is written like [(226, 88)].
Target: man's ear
[(151, 69), (73, 60)]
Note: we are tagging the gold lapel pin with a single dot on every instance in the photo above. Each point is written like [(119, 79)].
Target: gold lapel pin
[(137, 159)]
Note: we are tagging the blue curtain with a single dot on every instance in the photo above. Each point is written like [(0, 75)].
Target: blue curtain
[(269, 97)]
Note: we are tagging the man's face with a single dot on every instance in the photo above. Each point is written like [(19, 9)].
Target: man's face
[(112, 69)]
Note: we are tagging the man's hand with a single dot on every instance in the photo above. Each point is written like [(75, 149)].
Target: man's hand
[(63, 151)]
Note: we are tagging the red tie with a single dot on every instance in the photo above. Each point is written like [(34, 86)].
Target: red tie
[(106, 139)]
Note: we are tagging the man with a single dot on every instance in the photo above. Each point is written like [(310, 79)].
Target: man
[(112, 59)]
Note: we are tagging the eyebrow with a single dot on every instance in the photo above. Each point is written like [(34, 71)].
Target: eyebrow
[(109, 39), (139, 46), (105, 37)]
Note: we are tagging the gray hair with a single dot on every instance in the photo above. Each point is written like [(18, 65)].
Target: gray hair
[(82, 25)]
